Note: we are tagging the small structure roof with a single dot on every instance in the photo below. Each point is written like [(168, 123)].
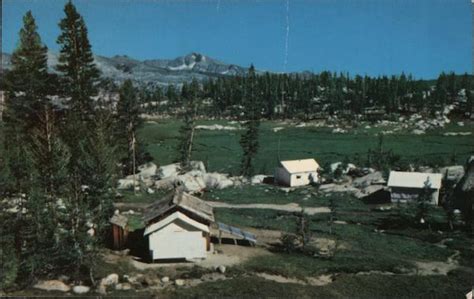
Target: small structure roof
[(296, 166), (173, 217), (236, 232), (183, 200), (414, 179), (119, 220)]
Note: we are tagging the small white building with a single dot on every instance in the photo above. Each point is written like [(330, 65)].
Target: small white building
[(178, 227), (178, 237), (297, 172), (406, 186)]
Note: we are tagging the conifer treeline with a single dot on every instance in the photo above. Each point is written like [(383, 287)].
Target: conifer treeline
[(59, 162), (308, 96)]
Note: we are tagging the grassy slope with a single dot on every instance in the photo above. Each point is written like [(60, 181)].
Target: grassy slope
[(345, 286), (221, 151)]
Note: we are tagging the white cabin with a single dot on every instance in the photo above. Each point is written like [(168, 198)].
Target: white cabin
[(178, 237), (407, 186), (297, 172), (178, 227)]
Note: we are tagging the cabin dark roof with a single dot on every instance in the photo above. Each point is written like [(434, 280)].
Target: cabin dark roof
[(179, 199)]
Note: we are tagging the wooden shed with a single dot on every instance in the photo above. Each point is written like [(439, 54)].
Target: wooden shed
[(119, 230)]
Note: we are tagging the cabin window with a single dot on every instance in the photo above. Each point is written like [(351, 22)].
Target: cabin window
[(298, 177)]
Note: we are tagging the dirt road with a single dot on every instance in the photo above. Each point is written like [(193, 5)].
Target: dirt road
[(291, 207)]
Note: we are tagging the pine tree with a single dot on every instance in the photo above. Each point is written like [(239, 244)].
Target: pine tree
[(185, 145), (76, 63), (32, 154), (249, 139), (26, 86), (87, 136), (127, 123)]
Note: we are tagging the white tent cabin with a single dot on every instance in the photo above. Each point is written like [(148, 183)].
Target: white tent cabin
[(407, 186), (294, 173), (178, 237), (178, 227)]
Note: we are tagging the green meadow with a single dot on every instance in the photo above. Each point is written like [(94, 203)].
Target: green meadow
[(220, 149)]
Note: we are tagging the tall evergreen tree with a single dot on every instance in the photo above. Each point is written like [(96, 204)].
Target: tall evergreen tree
[(26, 86), (127, 123), (33, 153), (80, 75), (252, 114), (89, 170)]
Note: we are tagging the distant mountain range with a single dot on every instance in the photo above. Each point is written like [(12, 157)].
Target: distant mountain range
[(153, 72)]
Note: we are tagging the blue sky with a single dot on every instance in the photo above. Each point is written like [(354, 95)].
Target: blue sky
[(422, 37)]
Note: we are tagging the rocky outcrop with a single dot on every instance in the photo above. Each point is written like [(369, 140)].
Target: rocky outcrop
[(369, 179), (80, 289), (52, 285)]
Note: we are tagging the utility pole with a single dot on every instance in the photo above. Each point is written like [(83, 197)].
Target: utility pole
[(133, 159)]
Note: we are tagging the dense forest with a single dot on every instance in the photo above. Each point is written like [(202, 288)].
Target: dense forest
[(313, 96)]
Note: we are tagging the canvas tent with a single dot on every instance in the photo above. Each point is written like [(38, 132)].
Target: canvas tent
[(177, 227), (407, 186), (178, 237), (297, 172)]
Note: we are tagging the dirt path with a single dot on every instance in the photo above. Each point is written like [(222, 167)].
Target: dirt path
[(229, 255), (291, 207), (313, 281)]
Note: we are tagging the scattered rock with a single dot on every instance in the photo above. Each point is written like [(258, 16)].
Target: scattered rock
[(167, 171), (418, 132), (125, 184), (369, 179), (111, 279), (258, 179), (277, 129), (165, 184), (333, 188), (457, 133), (165, 279), (216, 127), (221, 269), (52, 285), (81, 289), (453, 173), (338, 131), (336, 165), (147, 170), (179, 282)]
